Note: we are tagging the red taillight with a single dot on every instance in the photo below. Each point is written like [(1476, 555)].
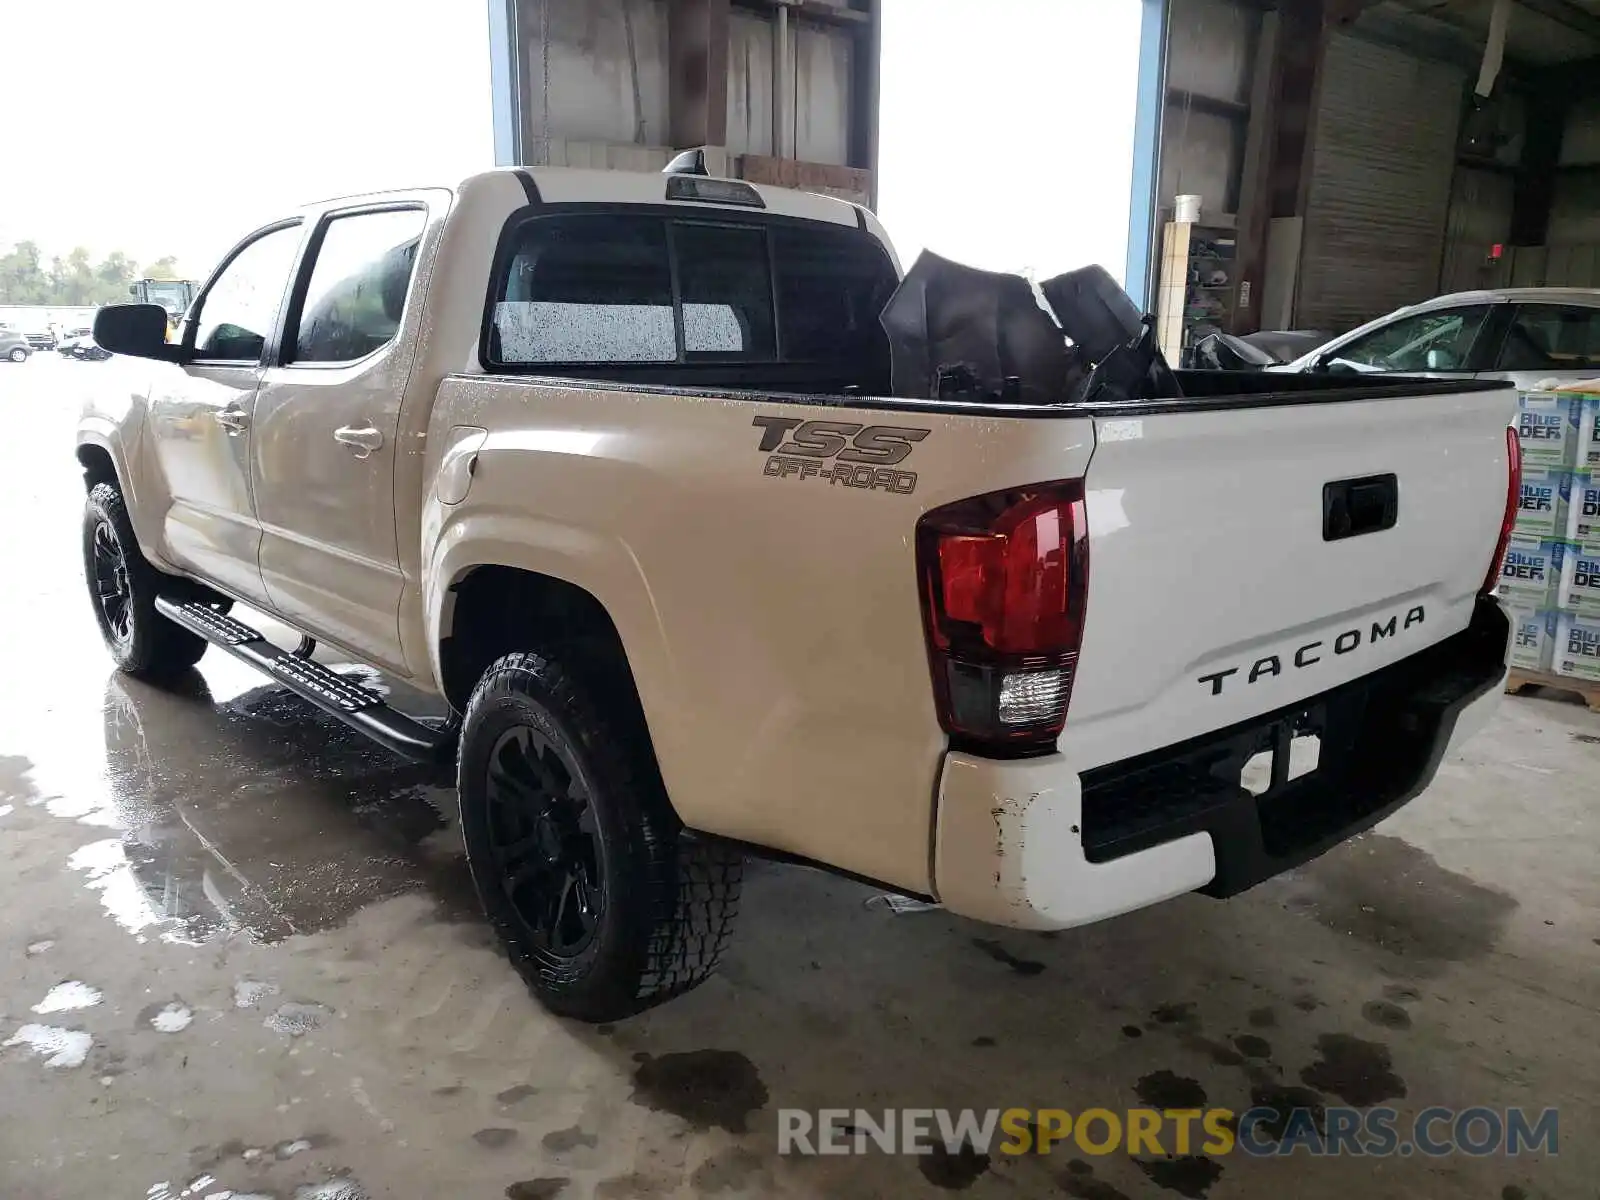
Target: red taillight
[(1004, 580), (1508, 519)]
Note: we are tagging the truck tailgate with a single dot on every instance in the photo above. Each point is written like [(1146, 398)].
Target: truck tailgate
[(1219, 587)]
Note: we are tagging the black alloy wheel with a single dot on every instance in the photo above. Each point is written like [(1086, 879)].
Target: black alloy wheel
[(605, 903), (112, 587), (123, 587), (545, 841)]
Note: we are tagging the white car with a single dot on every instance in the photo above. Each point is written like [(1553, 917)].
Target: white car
[(1526, 335)]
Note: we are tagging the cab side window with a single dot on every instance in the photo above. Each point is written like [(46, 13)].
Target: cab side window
[(239, 311), (360, 273)]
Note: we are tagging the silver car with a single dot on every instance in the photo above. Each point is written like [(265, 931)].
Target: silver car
[(1527, 335), (14, 346)]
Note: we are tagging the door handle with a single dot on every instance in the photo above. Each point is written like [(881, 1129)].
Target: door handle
[(364, 441), (234, 420)]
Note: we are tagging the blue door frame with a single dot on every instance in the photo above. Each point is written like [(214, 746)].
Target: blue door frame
[(504, 84), (1151, 102)]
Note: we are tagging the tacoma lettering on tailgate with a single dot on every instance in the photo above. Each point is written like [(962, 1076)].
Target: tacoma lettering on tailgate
[(1312, 653), (863, 456)]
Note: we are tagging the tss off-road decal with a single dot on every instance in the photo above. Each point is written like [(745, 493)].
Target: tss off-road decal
[(863, 456)]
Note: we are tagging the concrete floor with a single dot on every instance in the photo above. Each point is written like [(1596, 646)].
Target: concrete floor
[(296, 997)]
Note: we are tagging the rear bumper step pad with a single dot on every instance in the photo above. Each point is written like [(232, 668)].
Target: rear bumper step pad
[(359, 707)]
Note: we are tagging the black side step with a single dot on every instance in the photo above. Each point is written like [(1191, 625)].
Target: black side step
[(357, 706)]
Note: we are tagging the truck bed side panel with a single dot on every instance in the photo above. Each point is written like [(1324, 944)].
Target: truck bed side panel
[(767, 601)]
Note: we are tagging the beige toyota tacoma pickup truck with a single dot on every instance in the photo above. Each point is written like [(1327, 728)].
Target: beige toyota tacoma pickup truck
[(718, 537)]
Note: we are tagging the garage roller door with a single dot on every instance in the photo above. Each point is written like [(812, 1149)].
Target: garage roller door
[(1382, 159)]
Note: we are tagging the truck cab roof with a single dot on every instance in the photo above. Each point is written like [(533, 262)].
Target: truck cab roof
[(584, 185)]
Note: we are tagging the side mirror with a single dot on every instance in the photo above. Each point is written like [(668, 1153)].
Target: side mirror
[(138, 330)]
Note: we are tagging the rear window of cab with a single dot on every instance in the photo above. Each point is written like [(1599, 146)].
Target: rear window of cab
[(647, 288)]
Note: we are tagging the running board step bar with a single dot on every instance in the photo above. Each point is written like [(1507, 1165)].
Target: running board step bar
[(359, 707)]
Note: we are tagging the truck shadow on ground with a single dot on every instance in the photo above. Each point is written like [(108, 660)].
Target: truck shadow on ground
[(264, 817)]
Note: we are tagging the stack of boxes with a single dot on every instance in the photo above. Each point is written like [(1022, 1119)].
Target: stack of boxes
[(1551, 578)]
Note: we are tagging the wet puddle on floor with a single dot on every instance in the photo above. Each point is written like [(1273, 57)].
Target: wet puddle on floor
[(256, 815)]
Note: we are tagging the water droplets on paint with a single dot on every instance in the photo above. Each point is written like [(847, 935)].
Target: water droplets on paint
[(62, 1048), (68, 996), (173, 1017), (249, 993), (296, 1019)]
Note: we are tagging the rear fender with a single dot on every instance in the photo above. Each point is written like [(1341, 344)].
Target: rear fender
[(601, 566)]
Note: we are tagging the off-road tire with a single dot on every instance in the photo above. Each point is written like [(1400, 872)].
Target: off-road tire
[(152, 647), (669, 898)]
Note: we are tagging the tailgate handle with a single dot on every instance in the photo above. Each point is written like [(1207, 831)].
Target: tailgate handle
[(1351, 507)]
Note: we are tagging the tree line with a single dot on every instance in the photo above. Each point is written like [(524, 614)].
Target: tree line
[(76, 280)]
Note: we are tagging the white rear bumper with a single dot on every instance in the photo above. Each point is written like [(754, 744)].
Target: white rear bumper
[(1008, 850)]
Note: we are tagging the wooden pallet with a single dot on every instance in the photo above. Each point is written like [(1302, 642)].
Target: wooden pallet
[(1587, 691)]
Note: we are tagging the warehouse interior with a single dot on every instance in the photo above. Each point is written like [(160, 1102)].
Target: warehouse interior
[(776, 91), (1363, 155)]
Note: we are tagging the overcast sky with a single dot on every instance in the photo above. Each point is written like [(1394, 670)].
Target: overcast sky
[(174, 127)]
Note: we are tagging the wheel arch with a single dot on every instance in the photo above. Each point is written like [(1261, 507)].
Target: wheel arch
[(495, 609), (98, 464)]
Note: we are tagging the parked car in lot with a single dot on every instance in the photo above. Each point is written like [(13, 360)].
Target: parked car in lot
[(14, 346), (83, 347), (624, 469), (41, 339), (1526, 335)]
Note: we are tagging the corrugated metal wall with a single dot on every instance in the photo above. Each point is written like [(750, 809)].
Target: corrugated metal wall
[(749, 83), (1580, 139), (819, 70), (1210, 57), (1210, 49), (606, 63), (1480, 217), (1575, 208), (1202, 158), (821, 106), (1382, 160)]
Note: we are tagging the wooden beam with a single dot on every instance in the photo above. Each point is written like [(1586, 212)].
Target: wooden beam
[(818, 10), (697, 73), (1277, 153), (1535, 189), (1201, 103)]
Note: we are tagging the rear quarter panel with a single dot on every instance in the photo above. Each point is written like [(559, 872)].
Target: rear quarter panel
[(771, 620)]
